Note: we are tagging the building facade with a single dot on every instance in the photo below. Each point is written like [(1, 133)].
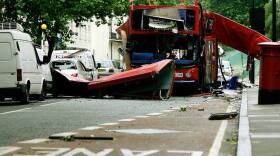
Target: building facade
[(102, 40)]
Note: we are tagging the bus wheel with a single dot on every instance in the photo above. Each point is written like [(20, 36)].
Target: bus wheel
[(164, 94)]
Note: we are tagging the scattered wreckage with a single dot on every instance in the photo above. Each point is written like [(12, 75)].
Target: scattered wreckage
[(153, 81)]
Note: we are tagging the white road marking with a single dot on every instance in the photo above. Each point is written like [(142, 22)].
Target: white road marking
[(64, 134), (126, 120), (49, 104), (19, 110), (83, 151), (263, 115), (8, 149), (214, 150), (34, 141), (127, 152), (193, 153), (168, 110), (90, 128), (146, 131), (143, 116), (265, 121), (154, 114), (265, 135), (46, 151), (49, 151), (109, 124)]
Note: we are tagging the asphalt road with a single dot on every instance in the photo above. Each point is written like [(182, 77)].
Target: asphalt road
[(41, 119)]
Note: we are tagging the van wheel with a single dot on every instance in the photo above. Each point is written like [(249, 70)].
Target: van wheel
[(42, 96), (54, 94), (25, 99)]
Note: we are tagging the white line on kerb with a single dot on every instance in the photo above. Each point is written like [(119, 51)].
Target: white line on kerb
[(19, 110)]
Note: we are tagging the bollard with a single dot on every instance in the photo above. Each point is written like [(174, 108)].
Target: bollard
[(269, 87)]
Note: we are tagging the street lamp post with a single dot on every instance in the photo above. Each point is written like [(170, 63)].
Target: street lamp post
[(251, 60), (43, 45), (274, 20)]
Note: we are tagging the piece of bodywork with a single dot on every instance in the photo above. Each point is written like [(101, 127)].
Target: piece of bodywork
[(149, 81), (154, 81)]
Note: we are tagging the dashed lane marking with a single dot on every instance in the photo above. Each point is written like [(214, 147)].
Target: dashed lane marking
[(143, 116), (214, 150), (50, 104), (91, 128), (154, 114), (126, 120), (193, 153), (15, 111), (168, 110), (64, 134), (34, 141), (109, 124), (8, 149)]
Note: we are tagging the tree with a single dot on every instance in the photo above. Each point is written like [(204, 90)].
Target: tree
[(56, 14), (268, 19), (237, 10)]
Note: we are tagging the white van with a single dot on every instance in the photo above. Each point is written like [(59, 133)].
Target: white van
[(20, 74)]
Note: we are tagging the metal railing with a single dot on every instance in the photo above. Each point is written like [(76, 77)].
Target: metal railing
[(11, 26)]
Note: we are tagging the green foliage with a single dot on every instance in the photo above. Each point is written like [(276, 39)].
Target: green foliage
[(268, 19), (162, 2), (57, 13), (237, 10)]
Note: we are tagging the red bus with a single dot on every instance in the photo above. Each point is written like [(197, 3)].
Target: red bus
[(155, 32)]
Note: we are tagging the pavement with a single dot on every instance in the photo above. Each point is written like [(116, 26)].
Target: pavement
[(173, 131), (259, 127)]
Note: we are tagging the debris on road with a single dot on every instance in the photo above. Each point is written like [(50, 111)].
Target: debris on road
[(152, 81), (74, 137), (223, 116)]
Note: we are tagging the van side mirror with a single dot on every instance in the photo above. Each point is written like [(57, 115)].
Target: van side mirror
[(46, 59), (98, 65)]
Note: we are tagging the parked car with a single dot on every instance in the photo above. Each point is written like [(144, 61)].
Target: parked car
[(74, 67), (108, 67), (19, 66)]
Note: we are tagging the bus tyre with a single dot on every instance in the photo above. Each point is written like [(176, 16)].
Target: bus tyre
[(25, 98)]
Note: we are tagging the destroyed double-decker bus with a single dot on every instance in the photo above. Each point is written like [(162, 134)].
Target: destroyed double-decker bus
[(157, 32)]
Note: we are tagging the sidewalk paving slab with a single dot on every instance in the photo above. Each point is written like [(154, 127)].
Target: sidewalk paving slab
[(264, 127)]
